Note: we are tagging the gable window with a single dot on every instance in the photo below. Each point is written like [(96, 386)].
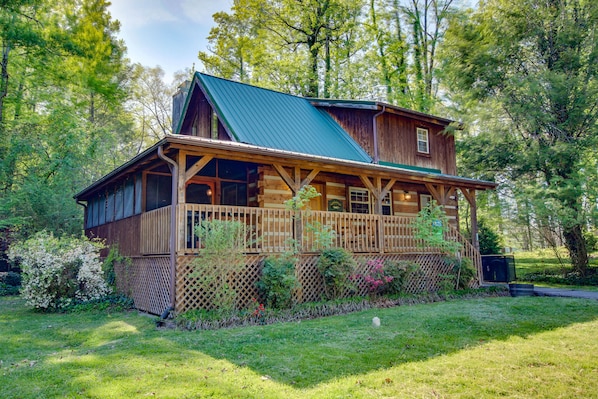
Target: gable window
[(423, 142), (359, 200)]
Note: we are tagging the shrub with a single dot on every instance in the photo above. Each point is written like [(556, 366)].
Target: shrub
[(336, 266), (462, 271), (489, 240), (388, 278), (10, 283), (400, 271), (278, 282), (59, 271)]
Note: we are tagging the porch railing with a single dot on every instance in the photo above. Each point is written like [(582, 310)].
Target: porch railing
[(272, 231), (155, 231)]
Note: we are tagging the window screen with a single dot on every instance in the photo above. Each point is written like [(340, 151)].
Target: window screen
[(118, 202), (129, 197), (158, 191)]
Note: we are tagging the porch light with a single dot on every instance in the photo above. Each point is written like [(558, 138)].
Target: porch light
[(209, 192), (407, 195)]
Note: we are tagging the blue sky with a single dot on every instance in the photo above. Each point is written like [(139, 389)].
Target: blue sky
[(168, 33)]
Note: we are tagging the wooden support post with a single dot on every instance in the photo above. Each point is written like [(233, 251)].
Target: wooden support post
[(470, 196)]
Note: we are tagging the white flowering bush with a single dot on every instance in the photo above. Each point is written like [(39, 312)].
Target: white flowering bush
[(59, 271)]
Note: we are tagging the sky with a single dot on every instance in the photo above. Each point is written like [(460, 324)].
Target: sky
[(168, 33)]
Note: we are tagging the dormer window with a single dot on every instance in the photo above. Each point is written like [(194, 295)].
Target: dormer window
[(423, 142)]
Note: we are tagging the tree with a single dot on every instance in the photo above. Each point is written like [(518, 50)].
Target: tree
[(63, 123), (537, 61)]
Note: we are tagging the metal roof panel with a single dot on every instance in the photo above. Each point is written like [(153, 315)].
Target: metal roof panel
[(277, 120)]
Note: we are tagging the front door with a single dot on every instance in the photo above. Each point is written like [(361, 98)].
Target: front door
[(316, 204)]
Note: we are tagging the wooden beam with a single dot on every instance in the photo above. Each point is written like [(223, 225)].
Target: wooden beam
[(470, 196), (387, 188), (180, 179), (310, 177), (197, 166), (286, 177), (367, 183)]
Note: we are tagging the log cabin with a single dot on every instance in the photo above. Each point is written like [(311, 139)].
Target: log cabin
[(237, 152)]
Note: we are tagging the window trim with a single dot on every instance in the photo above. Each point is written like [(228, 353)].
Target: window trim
[(362, 190), (426, 141)]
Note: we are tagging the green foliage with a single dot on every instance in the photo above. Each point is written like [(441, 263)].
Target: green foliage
[(110, 303), (401, 272), (336, 266), (430, 227), (219, 260), (324, 236), (10, 283), (591, 240), (278, 282), (332, 49), (113, 258), (59, 271), (488, 239), (301, 199), (534, 66), (62, 118)]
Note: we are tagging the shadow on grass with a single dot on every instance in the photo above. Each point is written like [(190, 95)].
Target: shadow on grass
[(308, 353), (123, 354)]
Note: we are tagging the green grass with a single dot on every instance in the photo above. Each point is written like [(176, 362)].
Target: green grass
[(545, 261), (514, 347)]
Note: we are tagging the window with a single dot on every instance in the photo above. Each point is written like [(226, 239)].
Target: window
[(199, 193), (359, 199), (424, 200), (158, 191), (387, 204), (233, 194), (423, 143)]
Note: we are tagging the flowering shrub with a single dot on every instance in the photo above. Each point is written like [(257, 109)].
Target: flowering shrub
[(377, 280), (259, 311), (388, 278), (59, 271)]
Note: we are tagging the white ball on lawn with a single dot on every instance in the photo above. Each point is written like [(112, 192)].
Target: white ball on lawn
[(376, 322)]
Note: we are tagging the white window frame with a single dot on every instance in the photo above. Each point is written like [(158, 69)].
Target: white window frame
[(387, 203), (423, 138), (361, 192)]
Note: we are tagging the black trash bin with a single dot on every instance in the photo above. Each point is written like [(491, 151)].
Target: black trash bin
[(498, 268)]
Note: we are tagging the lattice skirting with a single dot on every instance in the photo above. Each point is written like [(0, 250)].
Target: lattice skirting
[(189, 296), (147, 281)]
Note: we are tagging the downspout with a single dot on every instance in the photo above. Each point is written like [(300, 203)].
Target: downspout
[(84, 205), (376, 150), (174, 169)]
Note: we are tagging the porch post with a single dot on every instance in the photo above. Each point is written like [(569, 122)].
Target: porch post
[(470, 195)]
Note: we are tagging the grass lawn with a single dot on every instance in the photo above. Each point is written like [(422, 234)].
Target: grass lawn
[(546, 261), (521, 347)]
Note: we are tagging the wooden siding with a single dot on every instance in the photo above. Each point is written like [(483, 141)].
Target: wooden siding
[(124, 233), (198, 119), (397, 138)]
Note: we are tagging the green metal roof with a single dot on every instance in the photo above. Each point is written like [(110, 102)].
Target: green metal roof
[(410, 167), (271, 119)]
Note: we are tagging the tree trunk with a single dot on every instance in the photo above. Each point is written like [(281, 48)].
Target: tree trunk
[(4, 78), (576, 244)]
